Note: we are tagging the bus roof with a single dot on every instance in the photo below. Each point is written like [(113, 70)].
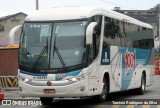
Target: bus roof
[(71, 13)]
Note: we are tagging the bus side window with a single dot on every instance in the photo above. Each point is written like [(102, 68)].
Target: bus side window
[(112, 32), (96, 35)]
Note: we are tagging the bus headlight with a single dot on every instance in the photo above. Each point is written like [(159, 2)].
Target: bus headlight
[(74, 79), (78, 78), (25, 80)]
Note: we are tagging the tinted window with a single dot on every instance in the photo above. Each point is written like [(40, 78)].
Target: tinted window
[(113, 32), (138, 37)]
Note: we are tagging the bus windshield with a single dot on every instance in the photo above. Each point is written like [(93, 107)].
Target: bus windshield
[(52, 45)]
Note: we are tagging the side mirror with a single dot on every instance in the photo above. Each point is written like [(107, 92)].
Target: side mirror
[(12, 33), (89, 32)]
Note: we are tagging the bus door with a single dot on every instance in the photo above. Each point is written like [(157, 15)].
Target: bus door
[(94, 67)]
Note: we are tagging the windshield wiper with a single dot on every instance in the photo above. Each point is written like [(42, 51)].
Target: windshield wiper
[(60, 58), (44, 49)]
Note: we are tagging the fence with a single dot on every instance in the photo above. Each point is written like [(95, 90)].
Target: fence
[(9, 66), (9, 81), (8, 61)]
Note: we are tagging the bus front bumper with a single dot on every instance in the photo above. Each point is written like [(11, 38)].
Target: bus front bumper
[(75, 89)]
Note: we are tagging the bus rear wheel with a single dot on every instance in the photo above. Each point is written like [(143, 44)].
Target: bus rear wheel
[(142, 88), (46, 100)]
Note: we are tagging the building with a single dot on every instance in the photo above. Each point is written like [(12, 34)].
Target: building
[(7, 23), (150, 16)]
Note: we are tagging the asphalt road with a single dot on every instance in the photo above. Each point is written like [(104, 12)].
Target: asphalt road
[(152, 96)]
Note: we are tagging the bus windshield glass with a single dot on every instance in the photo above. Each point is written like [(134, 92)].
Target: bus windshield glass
[(52, 45)]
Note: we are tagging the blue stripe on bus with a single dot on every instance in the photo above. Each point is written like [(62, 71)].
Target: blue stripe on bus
[(33, 74), (72, 73), (105, 57), (141, 57)]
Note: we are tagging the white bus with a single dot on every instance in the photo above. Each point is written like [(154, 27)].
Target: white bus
[(70, 52)]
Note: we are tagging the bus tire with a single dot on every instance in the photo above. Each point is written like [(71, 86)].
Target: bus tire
[(46, 100), (142, 88), (103, 96)]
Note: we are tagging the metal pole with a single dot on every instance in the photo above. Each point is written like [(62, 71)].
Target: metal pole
[(37, 5), (159, 24)]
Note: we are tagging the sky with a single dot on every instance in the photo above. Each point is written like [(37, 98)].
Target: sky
[(8, 7)]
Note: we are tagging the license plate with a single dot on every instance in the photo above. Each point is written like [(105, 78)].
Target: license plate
[(49, 91)]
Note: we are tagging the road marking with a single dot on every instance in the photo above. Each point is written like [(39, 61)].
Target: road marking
[(130, 106), (100, 106), (146, 106), (115, 106)]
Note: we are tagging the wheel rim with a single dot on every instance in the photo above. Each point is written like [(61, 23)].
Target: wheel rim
[(143, 85)]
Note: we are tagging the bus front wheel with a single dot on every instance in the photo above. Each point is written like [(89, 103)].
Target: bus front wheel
[(103, 96)]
